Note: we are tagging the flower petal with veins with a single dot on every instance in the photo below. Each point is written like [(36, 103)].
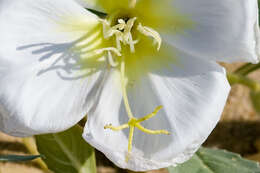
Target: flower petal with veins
[(59, 62), (193, 93), (41, 88)]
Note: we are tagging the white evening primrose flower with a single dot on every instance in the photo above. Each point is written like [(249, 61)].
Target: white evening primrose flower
[(143, 71)]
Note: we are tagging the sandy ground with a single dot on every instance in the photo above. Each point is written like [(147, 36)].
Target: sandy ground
[(238, 131)]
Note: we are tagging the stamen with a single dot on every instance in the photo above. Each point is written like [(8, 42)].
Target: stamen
[(129, 25), (119, 39), (109, 55), (128, 39), (122, 31), (119, 26), (107, 32), (132, 3), (121, 21), (112, 49), (131, 44), (147, 31), (111, 60)]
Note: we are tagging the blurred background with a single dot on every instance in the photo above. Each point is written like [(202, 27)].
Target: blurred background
[(238, 131)]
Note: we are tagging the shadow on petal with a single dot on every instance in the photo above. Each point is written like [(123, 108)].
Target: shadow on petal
[(73, 60)]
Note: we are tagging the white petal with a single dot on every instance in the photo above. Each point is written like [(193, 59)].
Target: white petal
[(42, 88), (222, 30), (92, 4), (192, 93)]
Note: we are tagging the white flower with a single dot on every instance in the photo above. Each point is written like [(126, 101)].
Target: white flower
[(59, 62)]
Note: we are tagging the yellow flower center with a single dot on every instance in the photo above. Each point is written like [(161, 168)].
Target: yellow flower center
[(123, 34)]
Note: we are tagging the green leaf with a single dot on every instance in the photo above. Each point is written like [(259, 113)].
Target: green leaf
[(67, 152), (259, 8), (98, 13), (216, 161), (18, 158)]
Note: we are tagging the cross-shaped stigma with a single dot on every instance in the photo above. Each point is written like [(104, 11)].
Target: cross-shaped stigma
[(136, 123)]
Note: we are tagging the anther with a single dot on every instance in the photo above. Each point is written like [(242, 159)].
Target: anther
[(147, 31), (111, 60), (109, 55), (132, 3), (121, 21), (122, 32), (110, 49)]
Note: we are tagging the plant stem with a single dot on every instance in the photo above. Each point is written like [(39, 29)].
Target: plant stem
[(247, 68), (32, 148), (240, 79)]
